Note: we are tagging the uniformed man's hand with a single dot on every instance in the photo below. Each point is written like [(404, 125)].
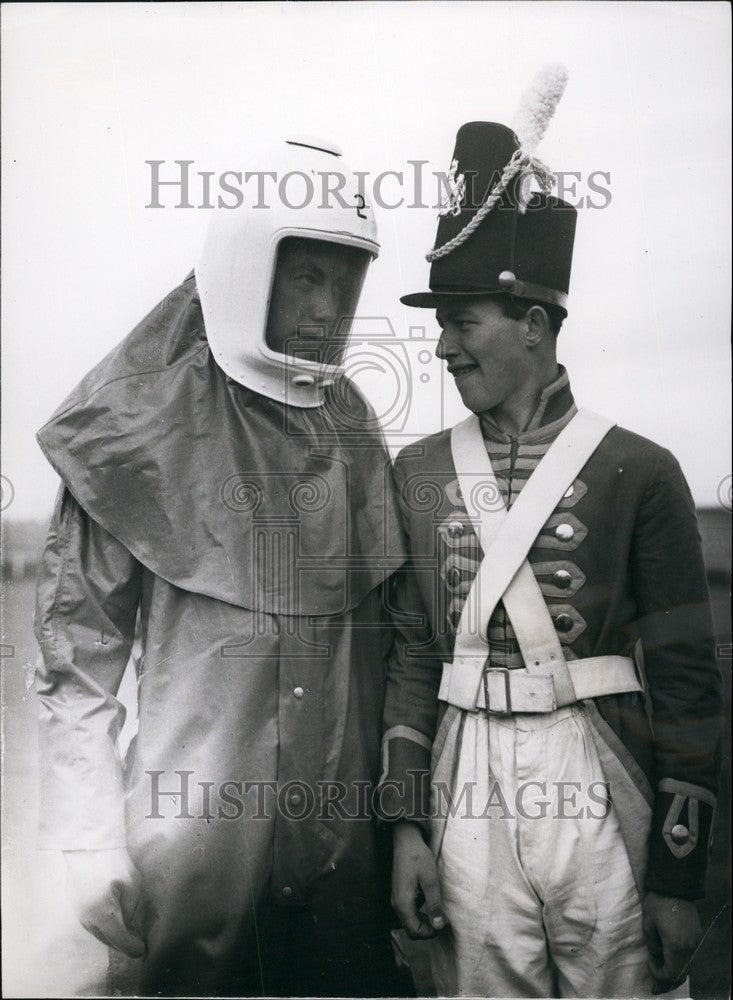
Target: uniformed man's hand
[(415, 875), (105, 889), (672, 932)]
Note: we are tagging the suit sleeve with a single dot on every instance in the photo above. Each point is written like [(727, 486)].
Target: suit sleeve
[(87, 600), (683, 679), (413, 680)]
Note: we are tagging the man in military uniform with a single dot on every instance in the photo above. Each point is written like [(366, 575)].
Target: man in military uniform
[(554, 670), (226, 487)]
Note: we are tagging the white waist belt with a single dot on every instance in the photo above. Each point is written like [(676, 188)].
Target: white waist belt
[(508, 691)]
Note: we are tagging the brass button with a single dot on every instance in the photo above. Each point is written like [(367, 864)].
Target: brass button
[(680, 834), (298, 692), (287, 892), (562, 579), (569, 492), (453, 576), (564, 623), (296, 799), (303, 380), (459, 493), (455, 529), (564, 532)]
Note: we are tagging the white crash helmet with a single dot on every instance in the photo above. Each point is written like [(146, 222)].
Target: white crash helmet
[(235, 272)]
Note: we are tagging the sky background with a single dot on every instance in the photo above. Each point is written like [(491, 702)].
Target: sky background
[(92, 91)]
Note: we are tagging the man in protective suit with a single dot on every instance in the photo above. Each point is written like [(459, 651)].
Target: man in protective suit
[(226, 496), (555, 572)]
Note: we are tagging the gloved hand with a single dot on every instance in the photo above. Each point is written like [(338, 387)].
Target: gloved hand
[(104, 886)]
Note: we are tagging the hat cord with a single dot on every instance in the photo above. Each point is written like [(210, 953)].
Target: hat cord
[(520, 161)]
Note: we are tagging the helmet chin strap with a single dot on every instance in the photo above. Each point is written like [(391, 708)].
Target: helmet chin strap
[(283, 378), (322, 381)]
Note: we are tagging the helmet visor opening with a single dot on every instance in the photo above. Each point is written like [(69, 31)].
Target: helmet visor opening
[(315, 292)]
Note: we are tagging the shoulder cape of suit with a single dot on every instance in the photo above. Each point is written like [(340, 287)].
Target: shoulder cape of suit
[(219, 490)]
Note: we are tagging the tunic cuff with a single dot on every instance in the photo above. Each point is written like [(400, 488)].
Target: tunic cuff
[(403, 792), (680, 838)]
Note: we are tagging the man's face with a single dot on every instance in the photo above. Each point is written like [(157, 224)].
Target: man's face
[(314, 295), (484, 349)]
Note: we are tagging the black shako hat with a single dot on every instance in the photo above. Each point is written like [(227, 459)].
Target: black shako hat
[(494, 234)]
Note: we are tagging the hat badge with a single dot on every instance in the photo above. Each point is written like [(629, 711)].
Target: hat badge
[(451, 203)]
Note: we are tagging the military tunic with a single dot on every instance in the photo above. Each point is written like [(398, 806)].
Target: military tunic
[(620, 567)]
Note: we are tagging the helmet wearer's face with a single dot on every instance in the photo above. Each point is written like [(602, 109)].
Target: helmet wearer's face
[(314, 296)]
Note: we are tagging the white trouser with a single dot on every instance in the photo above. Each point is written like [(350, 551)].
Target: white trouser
[(538, 890)]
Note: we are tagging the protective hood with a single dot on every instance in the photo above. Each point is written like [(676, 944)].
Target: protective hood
[(309, 192), (222, 491)]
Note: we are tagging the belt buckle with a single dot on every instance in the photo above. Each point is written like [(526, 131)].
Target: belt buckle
[(507, 691)]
